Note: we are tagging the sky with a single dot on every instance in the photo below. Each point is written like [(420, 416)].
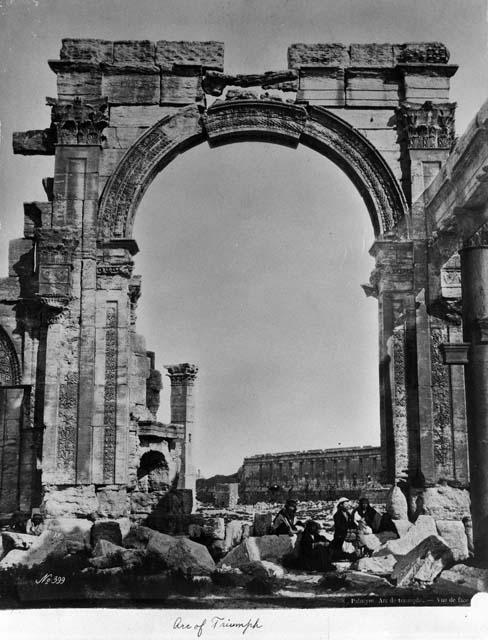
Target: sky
[(252, 255)]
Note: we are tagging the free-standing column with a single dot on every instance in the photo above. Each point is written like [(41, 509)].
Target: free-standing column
[(474, 280), (183, 378)]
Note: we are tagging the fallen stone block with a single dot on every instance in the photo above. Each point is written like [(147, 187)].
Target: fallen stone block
[(373, 541), (396, 504), (75, 530), (262, 524), (360, 580), (233, 533), (272, 548), (262, 569), (444, 503), (463, 579), (108, 530), (423, 564), (380, 565), (229, 576), (214, 528), (422, 529), (138, 537), (402, 527), (49, 543), (106, 554), (180, 553), (454, 535), (13, 540)]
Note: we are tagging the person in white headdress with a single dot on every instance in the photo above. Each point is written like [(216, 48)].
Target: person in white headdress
[(344, 529)]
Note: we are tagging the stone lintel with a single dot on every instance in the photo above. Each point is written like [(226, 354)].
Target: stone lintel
[(36, 142), (159, 430), (123, 243), (454, 352)]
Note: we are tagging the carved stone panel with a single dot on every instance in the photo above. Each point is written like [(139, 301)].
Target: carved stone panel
[(110, 401)]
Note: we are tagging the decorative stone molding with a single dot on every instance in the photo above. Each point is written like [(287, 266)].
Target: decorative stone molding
[(181, 374), (55, 245), (108, 269), (79, 122), (250, 119), (454, 352), (428, 125), (110, 399)]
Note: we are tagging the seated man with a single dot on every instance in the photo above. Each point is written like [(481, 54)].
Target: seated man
[(284, 522), (367, 515), (35, 526), (343, 545), (315, 554), (372, 527)]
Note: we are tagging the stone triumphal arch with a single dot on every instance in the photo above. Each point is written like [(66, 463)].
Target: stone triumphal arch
[(79, 390)]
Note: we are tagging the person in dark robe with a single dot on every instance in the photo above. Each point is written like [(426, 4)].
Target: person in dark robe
[(344, 530), (315, 554), (366, 514), (284, 522)]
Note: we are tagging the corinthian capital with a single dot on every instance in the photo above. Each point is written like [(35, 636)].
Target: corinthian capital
[(78, 122), (180, 374)]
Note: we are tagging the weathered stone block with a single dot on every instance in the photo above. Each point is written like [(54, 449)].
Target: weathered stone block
[(209, 55), (402, 527), (144, 115), (463, 579), (215, 528), (233, 533), (113, 503), (262, 569), (419, 88), (131, 88), (70, 501), (179, 89), (38, 142), (317, 54), (84, 84), (396, 504), (444, 503), (134, 51), (242, 554), (371, 55), (360, 580), (274, 548), (365, 89), (322, 86), (454, 535), (49, 543), (86, 49), (73, 529), (423, 563), (12, 540)]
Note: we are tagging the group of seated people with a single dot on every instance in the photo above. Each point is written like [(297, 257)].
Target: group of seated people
[(355, 530), (34, 526)]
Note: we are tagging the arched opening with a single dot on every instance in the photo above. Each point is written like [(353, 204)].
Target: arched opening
[(153, 472), (251, 257)]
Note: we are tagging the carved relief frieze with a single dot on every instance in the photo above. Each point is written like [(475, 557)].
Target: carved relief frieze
[(67, 425), (9, 363), (110, 269), (427, 125), (441, 399), (78, 121), (110, 398)]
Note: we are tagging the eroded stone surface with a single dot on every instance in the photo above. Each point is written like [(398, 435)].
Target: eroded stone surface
[(423, 563)]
